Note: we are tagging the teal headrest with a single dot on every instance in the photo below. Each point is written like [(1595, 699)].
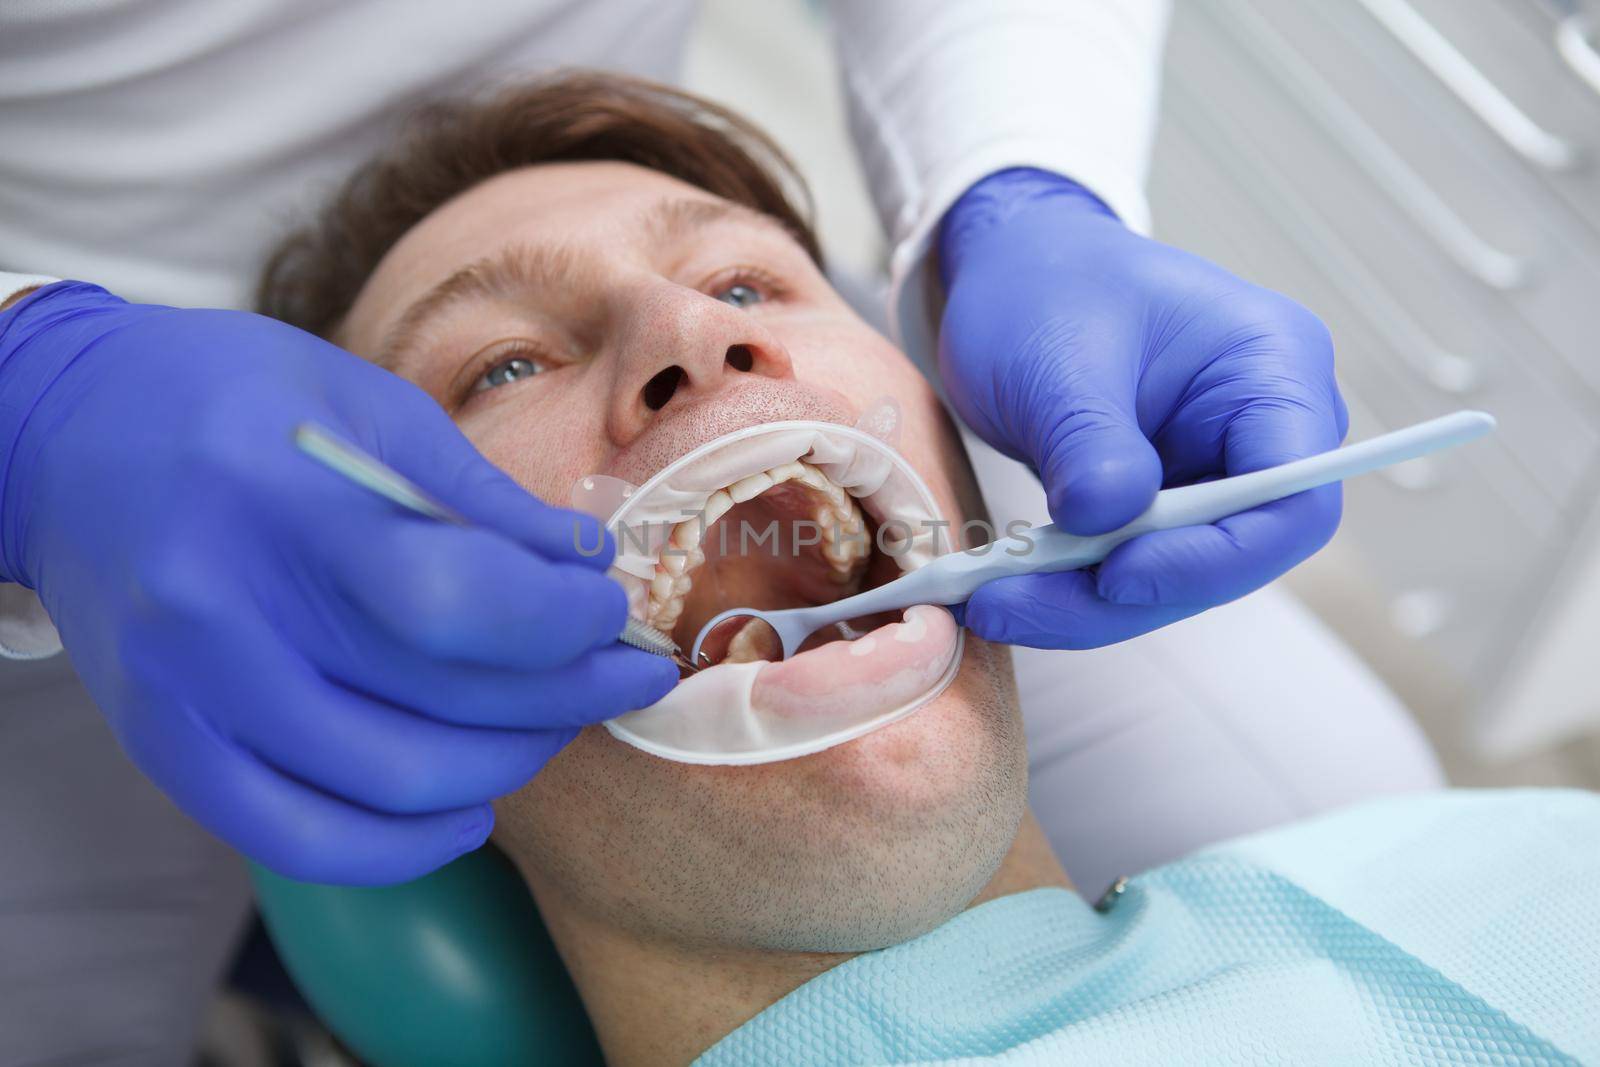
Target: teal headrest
[(454, 968)]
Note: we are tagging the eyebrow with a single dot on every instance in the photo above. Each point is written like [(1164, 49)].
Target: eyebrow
[(515, 270), (521, 269)]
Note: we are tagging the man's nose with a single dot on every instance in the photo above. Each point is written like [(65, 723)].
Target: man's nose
[(683, 347)]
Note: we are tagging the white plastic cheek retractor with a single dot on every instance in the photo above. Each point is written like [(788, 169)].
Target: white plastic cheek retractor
[(758, 711)]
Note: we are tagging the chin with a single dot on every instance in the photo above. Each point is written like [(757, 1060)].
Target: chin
[(940, 754), (904, 826), (854, 848)]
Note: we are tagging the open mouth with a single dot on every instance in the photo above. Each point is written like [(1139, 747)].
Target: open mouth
[(777, 516), (785, 537)]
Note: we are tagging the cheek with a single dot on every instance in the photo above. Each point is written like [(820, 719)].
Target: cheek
[(851, 358), (544, 442), (863, 366)]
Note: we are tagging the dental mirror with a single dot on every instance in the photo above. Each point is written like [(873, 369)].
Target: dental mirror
[(953, 578), (735, 637)]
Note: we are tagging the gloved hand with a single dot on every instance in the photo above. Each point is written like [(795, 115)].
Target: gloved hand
[(1117, 366), (335, 686)]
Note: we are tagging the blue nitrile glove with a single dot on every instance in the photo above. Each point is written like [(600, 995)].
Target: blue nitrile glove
[(334, 685), (1117, 366)]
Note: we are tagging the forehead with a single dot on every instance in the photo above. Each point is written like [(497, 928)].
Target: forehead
[(597, 204)]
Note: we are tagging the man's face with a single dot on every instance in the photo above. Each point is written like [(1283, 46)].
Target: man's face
[(590, 318)]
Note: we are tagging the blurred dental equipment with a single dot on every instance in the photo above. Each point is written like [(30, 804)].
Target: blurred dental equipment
[(370, 473)]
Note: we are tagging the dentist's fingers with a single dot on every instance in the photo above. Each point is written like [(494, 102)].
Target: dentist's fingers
[(391, 761), (1081, 432), (471, 596), (1156, 579), (1202, 566), (1061, 610), (291, 828), (598, 685), (464, 627), (1209, 565), (1070, 412), (1099, 471), (1267, 394), (420, 441), (371, 754), (1206, 440), (1271, 432)]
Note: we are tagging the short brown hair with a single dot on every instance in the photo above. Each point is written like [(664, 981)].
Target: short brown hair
[(313, 276)]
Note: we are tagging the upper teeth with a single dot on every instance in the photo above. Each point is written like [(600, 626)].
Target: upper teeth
[(842, 532), (660, 525)]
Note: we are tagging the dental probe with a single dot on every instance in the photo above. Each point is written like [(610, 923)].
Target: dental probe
[(371, 473), (954, 577)]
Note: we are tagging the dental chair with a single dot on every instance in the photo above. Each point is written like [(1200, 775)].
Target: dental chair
[(452, 969)]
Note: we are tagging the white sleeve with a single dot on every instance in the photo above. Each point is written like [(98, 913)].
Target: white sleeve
[(25, 629), (944, 92), (12, 284)]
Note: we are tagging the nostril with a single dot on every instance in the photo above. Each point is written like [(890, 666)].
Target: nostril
[(741, 358), (658, 390)]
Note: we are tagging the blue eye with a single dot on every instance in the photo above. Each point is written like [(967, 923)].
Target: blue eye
[(740, 295), (511, 370)]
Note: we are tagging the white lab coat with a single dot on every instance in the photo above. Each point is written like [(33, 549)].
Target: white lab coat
[(157, 146)]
